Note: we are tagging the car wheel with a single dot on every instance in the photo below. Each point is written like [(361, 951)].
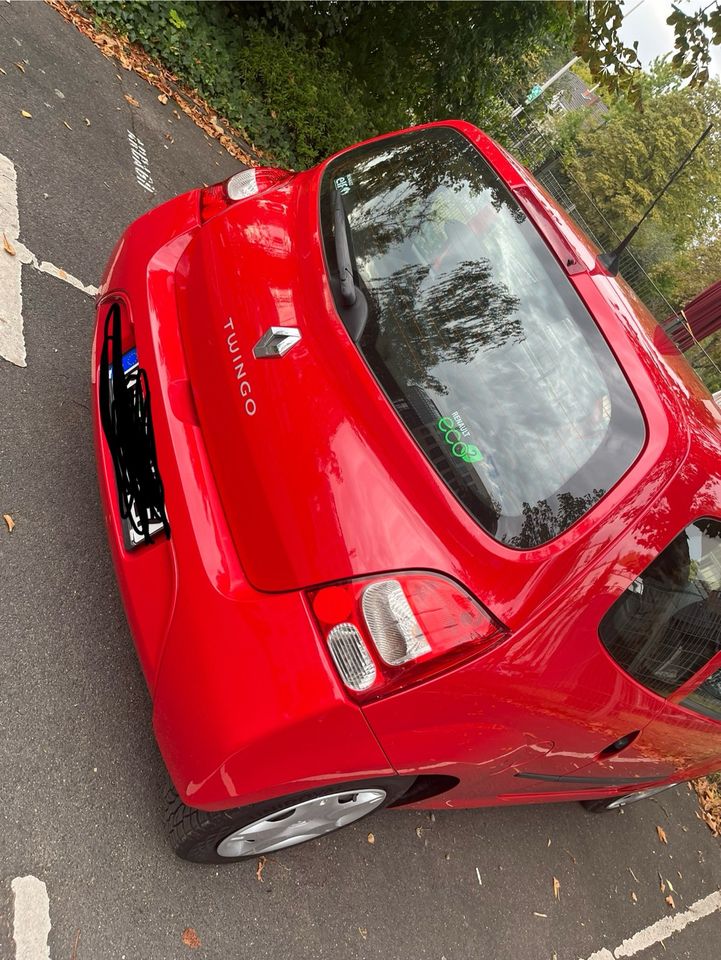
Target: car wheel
[(616, 803), (226, 836)]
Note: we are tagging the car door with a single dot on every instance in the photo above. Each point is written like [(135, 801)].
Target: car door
[(688, 732), (665, 631)]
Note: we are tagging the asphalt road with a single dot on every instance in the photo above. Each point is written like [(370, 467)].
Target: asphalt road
[(81, 780)]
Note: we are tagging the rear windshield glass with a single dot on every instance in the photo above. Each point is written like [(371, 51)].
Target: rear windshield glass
[(477, 336), (667, 625)]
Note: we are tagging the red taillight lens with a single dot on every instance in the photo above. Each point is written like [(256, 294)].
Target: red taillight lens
[(386, 633), (246, 183)]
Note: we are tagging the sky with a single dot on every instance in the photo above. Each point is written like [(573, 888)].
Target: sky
[(648, 25)]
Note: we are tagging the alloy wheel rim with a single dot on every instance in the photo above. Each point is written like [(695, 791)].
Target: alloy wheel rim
[(300, 822), (634, 797)]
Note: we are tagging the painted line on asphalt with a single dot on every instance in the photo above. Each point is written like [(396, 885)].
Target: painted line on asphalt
[(31, 919), (140, 162), (662, 929), (12, 339)]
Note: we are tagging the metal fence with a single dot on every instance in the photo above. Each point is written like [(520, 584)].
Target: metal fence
[(525, 137)]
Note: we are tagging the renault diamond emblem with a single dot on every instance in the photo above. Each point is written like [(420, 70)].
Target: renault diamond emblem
[(276, 342)]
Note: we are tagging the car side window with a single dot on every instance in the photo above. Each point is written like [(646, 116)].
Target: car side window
[(706, 698), (666, 626)]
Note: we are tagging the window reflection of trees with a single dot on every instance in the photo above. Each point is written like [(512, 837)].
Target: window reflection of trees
[(548, 518), (394, 192), (450, 317)]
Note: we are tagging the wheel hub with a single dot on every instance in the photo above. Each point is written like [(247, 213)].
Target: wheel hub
[(300, 822)]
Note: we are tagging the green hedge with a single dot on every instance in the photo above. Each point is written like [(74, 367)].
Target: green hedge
[(288, 92), (306, 78)]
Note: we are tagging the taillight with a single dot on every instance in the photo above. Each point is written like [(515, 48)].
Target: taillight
[(387, 633), (246, 183)]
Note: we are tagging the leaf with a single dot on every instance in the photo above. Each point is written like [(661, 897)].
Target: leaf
[(670, 901), (259, 869), (544, 915), (190, 938), (661, 834), (419, 832), (556, 888), (3, 72), (65, 123), (6, 516), (20, 67), (634, 897), (87, 122), (163, 98), (670, 885), (371, 838), (131, 100), (661, 884), (7, 246), (363, 932), (25, 113)]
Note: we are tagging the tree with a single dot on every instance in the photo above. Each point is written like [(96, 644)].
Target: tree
[(621, 163), (617, 67)]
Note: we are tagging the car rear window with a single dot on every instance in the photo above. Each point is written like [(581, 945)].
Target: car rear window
[(477, 336), (666, 626)]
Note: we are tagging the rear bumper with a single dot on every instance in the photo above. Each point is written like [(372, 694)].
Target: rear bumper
[(246, 705)]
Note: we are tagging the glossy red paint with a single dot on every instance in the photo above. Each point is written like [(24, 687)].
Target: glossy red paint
[(283, 476)]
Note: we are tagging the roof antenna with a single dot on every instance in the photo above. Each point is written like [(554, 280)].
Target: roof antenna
[(611, 259)]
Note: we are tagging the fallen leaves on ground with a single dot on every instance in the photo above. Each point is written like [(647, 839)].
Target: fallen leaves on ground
[(634, 897), (87, 122), (163, 97), (7, 246), (26, 114), (3, 72), (661, 884), (20, 66), (259, 869), (661, 834), (419, 832), (65, 123), (131, 100), (190, 938), (363, 932), (709, 798), (556, 888), (9, 521), (670, 901), (371, 838), (132, 57)]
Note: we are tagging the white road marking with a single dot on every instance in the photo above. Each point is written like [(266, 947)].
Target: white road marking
[(44, 266), (31, 921), (662, 929), (12, 340), (140, 162)]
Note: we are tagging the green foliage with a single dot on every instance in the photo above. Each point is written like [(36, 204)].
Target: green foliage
[(622, 163), (288, 93), (304, 79)]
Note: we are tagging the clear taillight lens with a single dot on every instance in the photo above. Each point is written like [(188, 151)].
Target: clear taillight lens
[(387, 633), (392, 624), (351, 657), (246, 183)]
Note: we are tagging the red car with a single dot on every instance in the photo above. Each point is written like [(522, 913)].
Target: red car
[(411, 503)]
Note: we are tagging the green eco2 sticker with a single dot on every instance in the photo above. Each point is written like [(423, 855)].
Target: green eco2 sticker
[(452, 436)]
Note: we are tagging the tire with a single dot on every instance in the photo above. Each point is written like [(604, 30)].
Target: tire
[(207, 837), (617, 803)]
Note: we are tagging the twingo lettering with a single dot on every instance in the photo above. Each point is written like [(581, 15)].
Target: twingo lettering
[(236, 358)]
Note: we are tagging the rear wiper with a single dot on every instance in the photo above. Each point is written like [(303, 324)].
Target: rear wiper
[(342, 252), (354, 312)]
